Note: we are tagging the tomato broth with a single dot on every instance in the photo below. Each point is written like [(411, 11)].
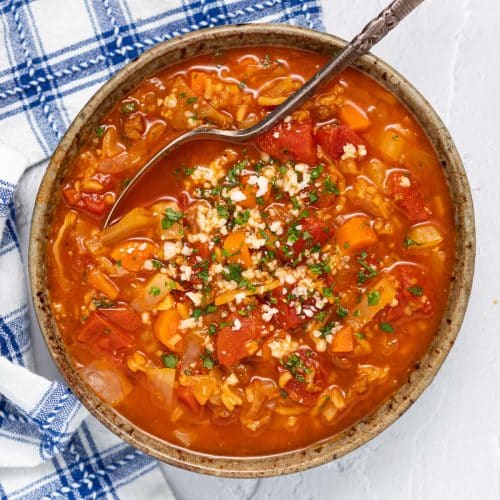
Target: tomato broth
[(258, 298)]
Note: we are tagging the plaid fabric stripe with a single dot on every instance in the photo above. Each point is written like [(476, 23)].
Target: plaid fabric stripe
[(53, 56)]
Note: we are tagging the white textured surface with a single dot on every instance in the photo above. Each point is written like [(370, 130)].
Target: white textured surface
[(448, 444)]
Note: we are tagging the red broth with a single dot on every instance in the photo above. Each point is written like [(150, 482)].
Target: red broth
[(252, 299)]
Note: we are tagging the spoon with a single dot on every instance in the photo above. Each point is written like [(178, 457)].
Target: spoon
[(371, 34)]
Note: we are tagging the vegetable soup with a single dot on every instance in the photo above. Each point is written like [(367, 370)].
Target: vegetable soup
[(258, 298)]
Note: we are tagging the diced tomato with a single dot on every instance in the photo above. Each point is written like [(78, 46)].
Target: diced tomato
[(203, 250), (93, 204), (408, 196), (231, 340), (186, 395), (287, 316), (297, 388), (290, 141), (333, 138), (104, 336), (313, 231), (122, 316), (414, 293)]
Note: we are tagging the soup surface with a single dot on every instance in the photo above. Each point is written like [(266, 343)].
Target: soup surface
[(258, 298)]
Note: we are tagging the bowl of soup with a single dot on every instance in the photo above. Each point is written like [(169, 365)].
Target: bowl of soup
[(254, 309)]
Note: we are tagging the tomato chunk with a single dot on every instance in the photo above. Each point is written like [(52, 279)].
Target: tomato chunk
[(287, 316), (186, 395), (408, 196), (231, 340), (333, 138), (102, 335), (308, 369), (414, 293), (309, 232), (290, 141), (123, 316), (93, 204)]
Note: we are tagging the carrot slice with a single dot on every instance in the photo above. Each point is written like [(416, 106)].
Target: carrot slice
[(236, 248), (197, 81), (353, 116), (343, 341), (166, 327), (354, 234), (133, 254), (103, 283)]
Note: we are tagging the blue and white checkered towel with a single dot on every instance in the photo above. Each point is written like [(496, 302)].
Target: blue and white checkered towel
[(54, 54)]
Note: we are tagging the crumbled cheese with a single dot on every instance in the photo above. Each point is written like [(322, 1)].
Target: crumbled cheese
[(186, 272), (276, 227), (237, 195), (148, 265), (261, 182), (170, 249), (282, 347), (268, 312), (171, 102), (276, 135), (184, 324), (196, 298), (404, 182), (236, 325), (232, 379), (353, 153), (254, 242)]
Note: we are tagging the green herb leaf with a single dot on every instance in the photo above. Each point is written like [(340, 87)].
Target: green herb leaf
[(386, 327), (170, 218), (170, 360), (128, 107), (373, 298), (416, 291), (316, 172), (191, 100), (99, 131)]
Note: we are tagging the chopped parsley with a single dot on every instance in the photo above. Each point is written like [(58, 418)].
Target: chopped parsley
[(102, 303), (416, 291), (360, 336), (342, 312), (316, 172), (99, 131), (189, 171), (154, 291), (330, 187), (242, 217), (156, 264), (191, 100), (223, 211), (207, 359), (170, 218), (128, 107), (367, 271), (313, 197), (170, 360), (386, 327), (373, 298)]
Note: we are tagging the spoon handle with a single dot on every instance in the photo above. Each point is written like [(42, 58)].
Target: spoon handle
[(371, 34)]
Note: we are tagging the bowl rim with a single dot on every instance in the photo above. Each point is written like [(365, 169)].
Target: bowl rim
[(334, 447)]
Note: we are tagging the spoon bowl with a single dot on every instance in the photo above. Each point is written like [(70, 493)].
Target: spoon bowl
[(371, 34)]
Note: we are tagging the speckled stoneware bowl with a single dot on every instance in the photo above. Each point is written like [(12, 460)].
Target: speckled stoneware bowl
[(123, 82)]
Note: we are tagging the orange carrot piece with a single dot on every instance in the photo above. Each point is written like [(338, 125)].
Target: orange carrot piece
[(103, 283), (236, 247), (133, 254), (354, 234), (343, 341), (354, 117), (166, 326), (197, 81)]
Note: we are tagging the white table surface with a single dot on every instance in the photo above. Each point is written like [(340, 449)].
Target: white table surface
[(448, 444)]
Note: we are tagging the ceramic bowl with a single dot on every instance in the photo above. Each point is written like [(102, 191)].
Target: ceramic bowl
[(121, 84)]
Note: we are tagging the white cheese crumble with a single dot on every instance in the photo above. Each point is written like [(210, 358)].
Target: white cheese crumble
[(268, 313), (236, 325), (282, 347)]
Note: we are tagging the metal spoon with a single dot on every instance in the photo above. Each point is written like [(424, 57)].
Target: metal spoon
[(372, 33)]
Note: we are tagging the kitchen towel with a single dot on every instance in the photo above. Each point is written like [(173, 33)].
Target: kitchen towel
[(54, 54)]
